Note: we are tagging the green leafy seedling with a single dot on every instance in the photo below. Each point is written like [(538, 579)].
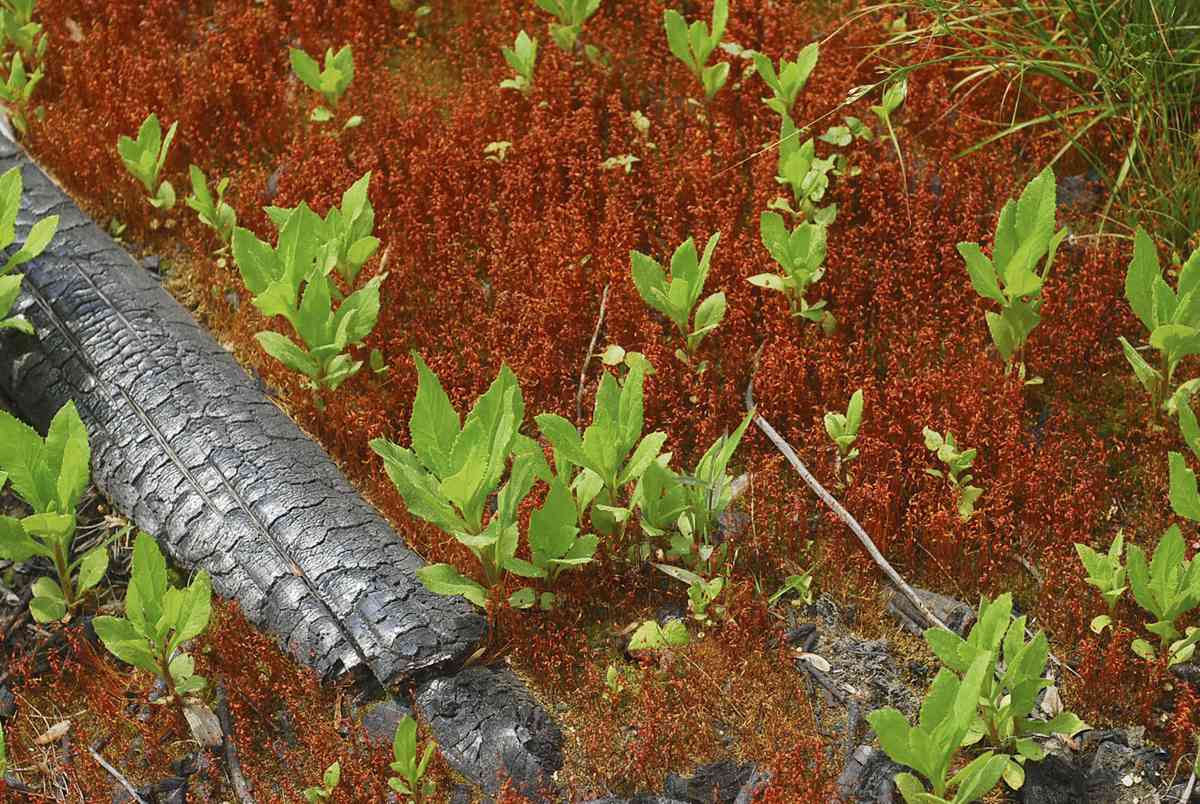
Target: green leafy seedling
[(554, 544), (36, 241), (345, 235), (216, 214), (1167, 586), (409, 768), (801, 586), (805, 174), (893, 96), (290, 280), (788, 82), (571, 15), (800, 255), (331, 81), (159, 619), (522, 58), (1025, 237), (652, 636), (50, 475), (930, 747), (329, 782), (18, 27), (957, 462), (1009, 691), (1172, 317), (707, 494), (843, 428), (695, 43), (676, 298), (1184, 494), (16, 91), (454, 469), (145, 156), (611, 454), (702, 593), (1105, 572)]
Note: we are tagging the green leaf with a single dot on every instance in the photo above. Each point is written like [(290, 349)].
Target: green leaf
[(288, 353), (194, 611), (1139, 279), (147, 585), (523, 598), (21, 458), (982, 273), (16, 544), (434, 424), (552, 528), (1148, 376), (47, 609), (565, 440), (125, 641), (68, 452), (92, 568), (443, 579), (1185, 496)]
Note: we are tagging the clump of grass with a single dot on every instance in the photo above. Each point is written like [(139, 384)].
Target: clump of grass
[(1132, 66)]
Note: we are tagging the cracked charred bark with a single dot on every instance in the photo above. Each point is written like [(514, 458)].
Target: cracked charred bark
[(186, 445)]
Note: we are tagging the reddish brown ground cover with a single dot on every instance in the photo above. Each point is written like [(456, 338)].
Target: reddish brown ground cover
[(506, 262)]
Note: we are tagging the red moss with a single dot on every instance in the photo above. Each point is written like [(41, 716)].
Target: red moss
[(494, 263)]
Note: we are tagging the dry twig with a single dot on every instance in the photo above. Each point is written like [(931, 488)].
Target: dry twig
[(587, 360)]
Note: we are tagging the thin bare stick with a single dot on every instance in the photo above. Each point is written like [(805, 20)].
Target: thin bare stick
[(783, 446), (231, 756), (113, 772), (587, 359), (1187, 791)]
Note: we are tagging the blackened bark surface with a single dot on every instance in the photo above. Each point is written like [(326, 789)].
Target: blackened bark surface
[(186, 444)]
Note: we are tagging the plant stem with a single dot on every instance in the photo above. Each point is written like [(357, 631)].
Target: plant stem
[(63, 568)]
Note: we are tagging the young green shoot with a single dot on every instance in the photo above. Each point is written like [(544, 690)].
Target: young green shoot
[(805, 174), (1025, 237), (329, 783), (18, 27), (1171, 317), (788, 81), (957, 462), (145, 156), (652, 636), (800, 255), (1009, 690), (1168, 587), (799, 586), (331, 81), (292, 280), (842, 429), (16, 90), (344, 234), (695, 43), (893, 96), (930, 747), (39, 237), (217, 214), (612, 453), (1107, 574), (676, 297), (50, 475), (159, 619), (702, 593), (571, 15), (410, 765), (522, 58)]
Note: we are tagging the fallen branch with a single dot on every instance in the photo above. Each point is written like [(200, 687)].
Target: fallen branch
[(232, 764), (784, 447), (113, 772), (864, 539), (587, 360)]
